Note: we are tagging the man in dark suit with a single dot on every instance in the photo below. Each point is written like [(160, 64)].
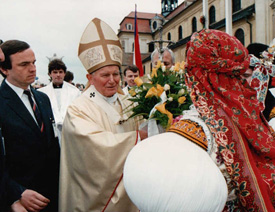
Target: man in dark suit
[(26, 119)]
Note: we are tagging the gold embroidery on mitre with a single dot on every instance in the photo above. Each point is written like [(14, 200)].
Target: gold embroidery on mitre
[(192, 131), (94, 56), (115, 53)]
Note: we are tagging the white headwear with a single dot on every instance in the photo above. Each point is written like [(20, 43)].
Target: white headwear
[(167, 172), (99, 46)]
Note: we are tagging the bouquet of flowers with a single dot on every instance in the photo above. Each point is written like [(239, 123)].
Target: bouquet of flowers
[(164, 97)]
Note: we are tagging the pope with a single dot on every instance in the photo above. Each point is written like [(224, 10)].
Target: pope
[(97, 132)]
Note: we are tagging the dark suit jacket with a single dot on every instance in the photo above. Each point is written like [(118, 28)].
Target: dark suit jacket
[(32, 157)]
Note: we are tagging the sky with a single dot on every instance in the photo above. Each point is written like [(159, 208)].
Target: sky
[(56, 26)]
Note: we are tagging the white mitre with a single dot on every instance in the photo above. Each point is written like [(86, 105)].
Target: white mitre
[(99, 46), (167, 172)]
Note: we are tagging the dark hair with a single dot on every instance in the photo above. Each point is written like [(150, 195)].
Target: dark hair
[(57, 64), (132, 68), (69, 76), (9, 48), (256, 49)]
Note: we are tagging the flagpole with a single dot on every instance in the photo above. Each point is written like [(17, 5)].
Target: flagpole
[(205, 13), (228, 16)]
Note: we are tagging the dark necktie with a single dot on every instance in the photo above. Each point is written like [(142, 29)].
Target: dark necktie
[(35, 110)]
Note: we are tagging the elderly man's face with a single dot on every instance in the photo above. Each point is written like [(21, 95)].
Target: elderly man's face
[(106, 80), (167, 59), (2, 56)]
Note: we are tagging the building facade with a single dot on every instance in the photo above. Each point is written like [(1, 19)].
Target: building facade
[(252, 21)]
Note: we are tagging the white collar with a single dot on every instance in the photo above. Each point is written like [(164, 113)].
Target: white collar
[(110, 100), (19, 91)]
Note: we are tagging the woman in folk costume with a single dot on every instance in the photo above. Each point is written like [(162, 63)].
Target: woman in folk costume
[(225, 134), (97, 135), (229, 107)]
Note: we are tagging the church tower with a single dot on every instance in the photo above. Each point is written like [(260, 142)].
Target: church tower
[(168, 6)]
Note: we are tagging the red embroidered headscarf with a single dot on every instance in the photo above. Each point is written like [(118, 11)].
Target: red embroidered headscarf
[(231, 110)]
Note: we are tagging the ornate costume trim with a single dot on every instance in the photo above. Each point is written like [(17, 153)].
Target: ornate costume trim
[(192, 131), (260, 193)]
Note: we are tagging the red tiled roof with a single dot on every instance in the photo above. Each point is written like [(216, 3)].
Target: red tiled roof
[(143, 22), (141, 15)]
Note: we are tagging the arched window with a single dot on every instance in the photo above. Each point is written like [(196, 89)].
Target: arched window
[(129, 26), (212, 15), (194, 24), (180, 32), (169, 36), (236, 5), (240, 35)]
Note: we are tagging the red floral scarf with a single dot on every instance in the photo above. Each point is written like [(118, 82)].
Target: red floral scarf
[(231, 110)]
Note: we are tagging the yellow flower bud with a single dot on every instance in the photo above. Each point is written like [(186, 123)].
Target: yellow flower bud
[(182, 99), (182, 65), (154, 72), (138, 81), (177, 67), (158, 64), (132, 92)]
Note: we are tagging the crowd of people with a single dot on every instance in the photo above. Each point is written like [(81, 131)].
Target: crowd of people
[(64, 150)]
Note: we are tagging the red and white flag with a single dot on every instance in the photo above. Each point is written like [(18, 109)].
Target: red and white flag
[(137, 56)]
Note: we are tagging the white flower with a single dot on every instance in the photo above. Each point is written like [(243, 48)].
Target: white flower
[(170, 99), (172, 68), (137, 90), (163, 68), (166, 87), (181, 92), (149, 76), (181, 71)]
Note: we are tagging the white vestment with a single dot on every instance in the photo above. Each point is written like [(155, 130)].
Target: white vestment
[(125, 90), (68, 93), (96, 140)]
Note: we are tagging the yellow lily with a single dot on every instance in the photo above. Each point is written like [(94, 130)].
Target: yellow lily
[(160, 89), (182, 99), (161, 108), (154, 72), (151, 92), (138, 81)]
